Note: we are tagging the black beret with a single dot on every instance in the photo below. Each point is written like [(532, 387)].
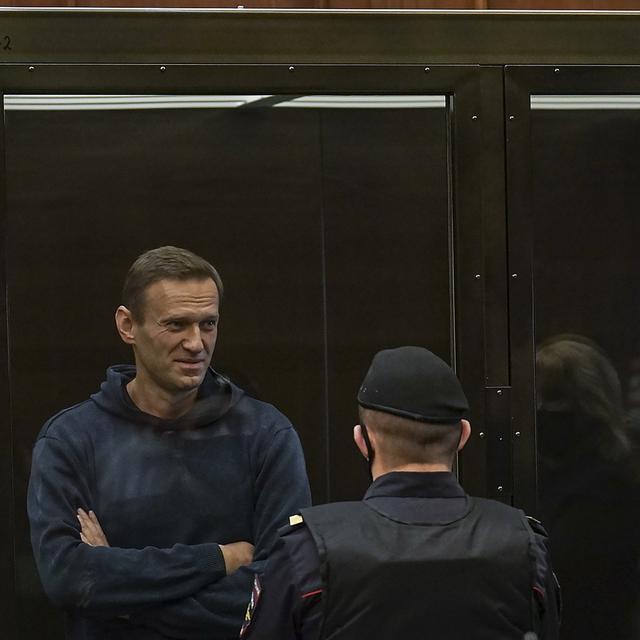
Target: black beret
[(413, 383)]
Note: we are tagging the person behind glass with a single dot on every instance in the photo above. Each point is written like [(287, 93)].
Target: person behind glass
[(153, 503), (417, 557), (589, 489)]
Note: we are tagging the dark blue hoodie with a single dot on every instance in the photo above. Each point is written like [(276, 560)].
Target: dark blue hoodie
[(166, 492)]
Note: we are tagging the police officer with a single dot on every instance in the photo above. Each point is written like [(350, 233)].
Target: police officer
[(417, 557)]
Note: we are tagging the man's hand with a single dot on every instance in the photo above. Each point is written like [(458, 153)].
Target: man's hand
[(91, 532), (236, 555)]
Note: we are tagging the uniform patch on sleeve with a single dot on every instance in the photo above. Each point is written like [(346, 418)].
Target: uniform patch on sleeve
[(252, 606)]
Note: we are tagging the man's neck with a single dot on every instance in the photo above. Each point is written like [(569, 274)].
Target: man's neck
[(381, 469), (155, 401)]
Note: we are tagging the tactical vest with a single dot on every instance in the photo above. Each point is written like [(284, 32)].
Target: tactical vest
[(470, 579)]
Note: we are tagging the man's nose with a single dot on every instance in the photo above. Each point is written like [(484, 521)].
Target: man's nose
[(193, 340)]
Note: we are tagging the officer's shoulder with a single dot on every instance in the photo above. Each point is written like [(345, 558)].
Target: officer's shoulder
[(489, 504), (536, 526), (506, 510), (295, 542), (330, 513), (296, 524)]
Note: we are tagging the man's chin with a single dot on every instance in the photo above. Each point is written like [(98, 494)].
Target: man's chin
[(187, 381)]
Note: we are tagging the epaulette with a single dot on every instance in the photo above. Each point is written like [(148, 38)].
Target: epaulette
[(294, 522)]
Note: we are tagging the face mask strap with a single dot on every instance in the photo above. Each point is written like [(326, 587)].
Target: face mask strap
[(370, 451)]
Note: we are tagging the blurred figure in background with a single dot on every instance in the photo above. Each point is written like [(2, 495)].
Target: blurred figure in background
[(588, 488)]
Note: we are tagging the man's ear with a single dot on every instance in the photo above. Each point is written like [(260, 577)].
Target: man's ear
[(464, 434), (358, 438), (125, 325)]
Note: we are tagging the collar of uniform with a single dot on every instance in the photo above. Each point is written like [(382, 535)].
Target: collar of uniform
[(406, 484)]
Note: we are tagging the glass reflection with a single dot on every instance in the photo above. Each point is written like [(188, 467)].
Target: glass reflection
[(585, 194), (588, 487)]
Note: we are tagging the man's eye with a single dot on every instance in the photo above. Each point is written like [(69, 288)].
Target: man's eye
[(209, 324), (175, 325)]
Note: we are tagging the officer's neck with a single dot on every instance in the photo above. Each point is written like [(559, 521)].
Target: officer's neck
[(379, 468)]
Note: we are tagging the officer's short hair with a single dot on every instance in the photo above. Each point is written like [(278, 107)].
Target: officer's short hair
[(164, 263), (407, 441)]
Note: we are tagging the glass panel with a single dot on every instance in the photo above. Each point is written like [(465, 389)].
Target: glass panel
[(387, 260), (327, 217), (587, 313)]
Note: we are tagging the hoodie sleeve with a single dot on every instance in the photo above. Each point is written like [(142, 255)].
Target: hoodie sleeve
[(216, 612), (101, 580)]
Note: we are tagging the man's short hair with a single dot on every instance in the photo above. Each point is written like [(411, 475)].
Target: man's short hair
[(163, 263), (406, 441)]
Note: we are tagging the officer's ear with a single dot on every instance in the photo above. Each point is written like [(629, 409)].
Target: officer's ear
[(465, 433), (358, 438), (124, 324)]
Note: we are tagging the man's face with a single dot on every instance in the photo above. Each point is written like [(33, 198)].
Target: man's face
[(174, 343)]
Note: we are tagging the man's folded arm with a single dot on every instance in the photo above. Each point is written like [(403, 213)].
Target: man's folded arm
[(217, 611), (214, 613), (102, 580)]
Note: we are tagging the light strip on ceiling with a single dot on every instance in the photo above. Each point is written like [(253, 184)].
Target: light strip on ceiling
[(367, 102), (582, 102), (120, 102)]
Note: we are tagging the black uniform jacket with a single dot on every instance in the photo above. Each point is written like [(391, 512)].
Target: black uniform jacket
[(287, 598)]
